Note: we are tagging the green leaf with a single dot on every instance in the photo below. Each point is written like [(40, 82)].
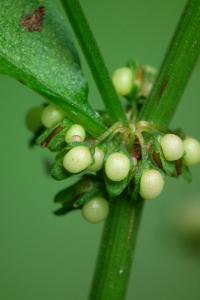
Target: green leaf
[(96, 189), (58, 172), (116, 188), (158, 158), (36, 49), (66, 195), (169, 167), (76, 195), (79, 185), (135, 183), (64, 209), (33, 140), (186, 174)]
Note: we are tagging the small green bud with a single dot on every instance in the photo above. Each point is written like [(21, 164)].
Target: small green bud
[(33, 118), (98, 160), (76, 133), (51, 115), (142, 124), (192, 151), (123, 81), (172, 147), (151, 184), (96, 210), (77, 159), (117, 166)]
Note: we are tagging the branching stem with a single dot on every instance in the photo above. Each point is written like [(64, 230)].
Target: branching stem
[(119, 236)]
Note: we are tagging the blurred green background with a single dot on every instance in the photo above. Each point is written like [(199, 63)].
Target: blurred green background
[(46, 257)]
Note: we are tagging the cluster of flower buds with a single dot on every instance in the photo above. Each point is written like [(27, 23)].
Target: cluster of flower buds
[(134, 81), (132, 160)]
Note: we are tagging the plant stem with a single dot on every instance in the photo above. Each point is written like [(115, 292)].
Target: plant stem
[(92, 53), (121, 228), (119, 236), (90, 120), (176, 69), (116, 250)]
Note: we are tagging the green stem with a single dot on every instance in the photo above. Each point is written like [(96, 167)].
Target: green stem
[(176, 69), (90, 120), (89, 46), (121, 228), (116, 251)]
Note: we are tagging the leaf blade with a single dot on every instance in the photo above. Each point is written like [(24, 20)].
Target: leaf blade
[(45, 60)]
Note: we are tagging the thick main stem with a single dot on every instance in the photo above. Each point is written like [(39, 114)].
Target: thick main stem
[(116, 251), (94, 58), (119, 236)]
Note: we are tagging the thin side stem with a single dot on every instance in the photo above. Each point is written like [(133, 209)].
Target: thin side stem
[(176, 69), (94, 58), (121, 228)]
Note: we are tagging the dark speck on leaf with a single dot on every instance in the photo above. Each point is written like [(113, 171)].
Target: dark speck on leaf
[(33, 22)]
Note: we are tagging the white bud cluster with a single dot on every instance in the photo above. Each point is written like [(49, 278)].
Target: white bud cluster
[(118, 165), (174, 148)]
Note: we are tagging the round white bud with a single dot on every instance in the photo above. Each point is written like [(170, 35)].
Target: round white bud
[(75, 133), (172, 147), (77, 159), (151, 184), (117, 166), (96, 210), (98, 160), (192, 151), (51, 115), (123, 81)]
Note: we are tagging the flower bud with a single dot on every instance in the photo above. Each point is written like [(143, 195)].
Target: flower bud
[(151, 184), (192, 151), (77, 159), (75, 133), (123, 81), (172, 147), (33, 118), (117, 166), (51, 115), (96, 210), (98, 160)]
